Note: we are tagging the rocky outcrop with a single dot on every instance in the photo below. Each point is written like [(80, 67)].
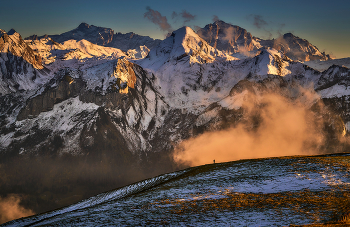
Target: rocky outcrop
[(67, 88), (296, 48), (13, 43), (234, 39), (228, 38)]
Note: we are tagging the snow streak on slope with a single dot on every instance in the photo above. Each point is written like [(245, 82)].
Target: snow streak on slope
[(100, 199)]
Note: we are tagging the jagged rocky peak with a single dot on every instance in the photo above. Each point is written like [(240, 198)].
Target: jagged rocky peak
[(12, 42), (11, 32), (139, 52), (94, 34), (296, 44), (182, 45), (2, 32), (105, 37), (83, 26), (228, 38), (269, 61), (125, 75), (234, 39), (296, 48)]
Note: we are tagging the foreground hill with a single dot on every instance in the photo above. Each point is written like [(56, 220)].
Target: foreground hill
[(266, 192)]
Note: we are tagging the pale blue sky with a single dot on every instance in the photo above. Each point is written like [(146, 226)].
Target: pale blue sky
[(325, 24)]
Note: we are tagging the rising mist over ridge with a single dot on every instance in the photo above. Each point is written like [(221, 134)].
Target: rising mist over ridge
[(102, 110)]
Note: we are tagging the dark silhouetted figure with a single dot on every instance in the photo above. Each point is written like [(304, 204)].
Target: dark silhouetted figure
[(214, 161)]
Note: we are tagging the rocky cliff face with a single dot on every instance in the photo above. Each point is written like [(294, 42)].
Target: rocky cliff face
[(234, 39), (130, 104), (21, 69), (296, 48), (333, 88), (13, 43), (228, 38)]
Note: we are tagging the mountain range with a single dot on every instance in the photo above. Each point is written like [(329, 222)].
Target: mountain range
[(124, 103)]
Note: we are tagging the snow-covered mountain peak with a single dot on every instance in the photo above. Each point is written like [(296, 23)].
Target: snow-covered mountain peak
[(324, 65), (182, 45), (83, 26), (228, 38), (94, 34), (136, 46), (11, 32), (12, 42), (271, 62), (81, 51), (296, 48), (233, 39), (186, 41)]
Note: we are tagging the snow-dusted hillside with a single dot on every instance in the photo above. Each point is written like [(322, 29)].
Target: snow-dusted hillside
[(263, 192)]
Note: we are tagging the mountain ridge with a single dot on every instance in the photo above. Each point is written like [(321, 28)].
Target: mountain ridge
[(222, 192), (102, 36), (234, 39)]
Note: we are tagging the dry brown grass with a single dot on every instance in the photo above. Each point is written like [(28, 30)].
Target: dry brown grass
[(325, 207)]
